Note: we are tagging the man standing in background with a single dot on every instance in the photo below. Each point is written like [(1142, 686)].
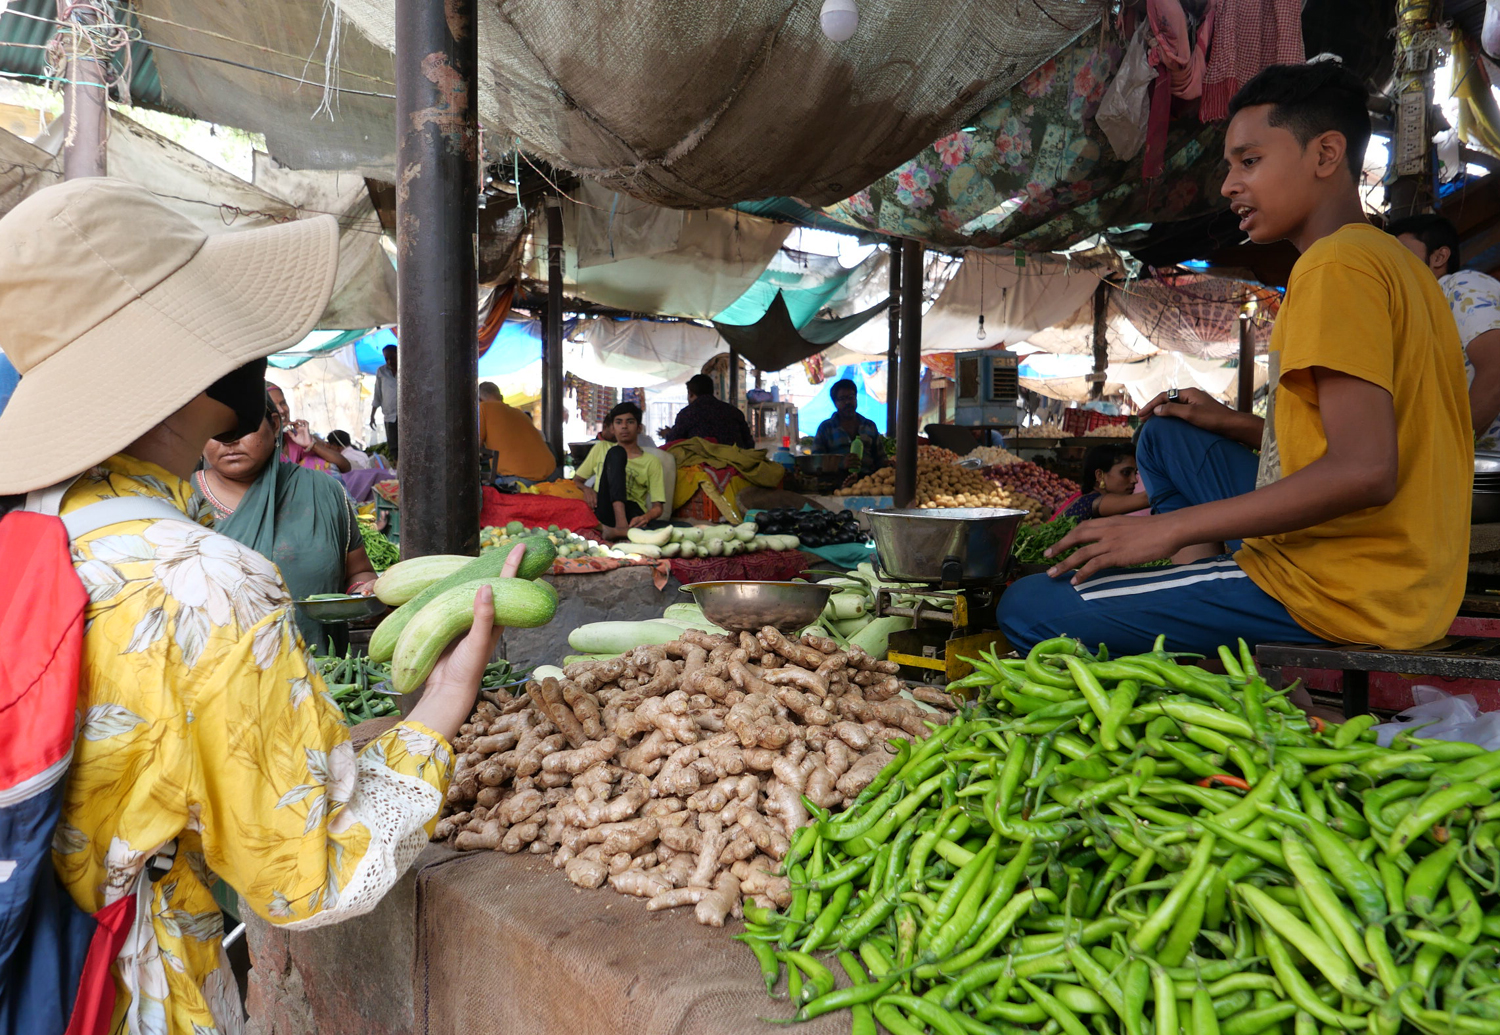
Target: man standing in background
[(1474, 298), (388, 399)]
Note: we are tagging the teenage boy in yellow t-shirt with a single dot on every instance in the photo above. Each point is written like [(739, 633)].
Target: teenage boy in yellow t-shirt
[(1353, 525)]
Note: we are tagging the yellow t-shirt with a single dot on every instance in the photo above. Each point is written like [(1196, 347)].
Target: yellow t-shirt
[(645, 483), (1360, 303)]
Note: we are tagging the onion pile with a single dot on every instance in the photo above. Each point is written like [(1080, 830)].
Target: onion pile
[(1049, 488)]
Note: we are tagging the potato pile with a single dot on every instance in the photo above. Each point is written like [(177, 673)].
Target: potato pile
[(676, 772), (941, 484)]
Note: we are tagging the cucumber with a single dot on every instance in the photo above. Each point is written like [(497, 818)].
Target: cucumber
[(638, 549), (538, 560), (405, 579), (518, 605), (569, 659), (619, 637), (650, 537)]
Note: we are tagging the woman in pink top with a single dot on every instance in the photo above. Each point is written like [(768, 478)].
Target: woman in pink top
[(299, 445)]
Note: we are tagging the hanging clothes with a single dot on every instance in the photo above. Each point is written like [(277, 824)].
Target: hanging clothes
[(1248, 36), (1178, 55)]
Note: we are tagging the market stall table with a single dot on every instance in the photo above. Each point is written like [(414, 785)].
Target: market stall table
[(489, 942)]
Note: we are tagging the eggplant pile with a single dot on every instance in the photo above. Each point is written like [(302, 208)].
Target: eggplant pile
[(812, 527)]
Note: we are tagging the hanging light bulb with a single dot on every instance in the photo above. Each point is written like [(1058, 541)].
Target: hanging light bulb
[(980, 335), (839, 19)]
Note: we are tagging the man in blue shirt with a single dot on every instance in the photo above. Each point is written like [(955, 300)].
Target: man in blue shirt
[(838, 433)]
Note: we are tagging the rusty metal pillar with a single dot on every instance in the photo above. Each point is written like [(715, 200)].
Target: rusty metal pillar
[(85, 95), (894, 346), (437, 58), (1246, 401), (909, 376), (1101, 343), (552, 333)]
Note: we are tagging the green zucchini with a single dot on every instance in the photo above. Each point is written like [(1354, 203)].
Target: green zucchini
[(518, 605), (539, 556)]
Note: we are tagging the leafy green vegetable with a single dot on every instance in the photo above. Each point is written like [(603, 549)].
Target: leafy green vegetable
[(1032, 543)]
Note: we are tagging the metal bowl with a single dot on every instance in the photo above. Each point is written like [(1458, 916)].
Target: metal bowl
[(751, 606), (948, 545), (1486, 508), (1486, 462), (341, 609)]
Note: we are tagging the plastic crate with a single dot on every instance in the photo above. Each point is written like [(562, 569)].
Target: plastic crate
[(1078, 423), (388, 519)]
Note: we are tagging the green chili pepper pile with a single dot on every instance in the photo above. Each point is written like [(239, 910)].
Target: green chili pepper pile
[(361, 687), (1140, 847)]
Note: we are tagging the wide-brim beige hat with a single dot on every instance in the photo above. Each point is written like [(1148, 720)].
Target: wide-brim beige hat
[(117, 311)]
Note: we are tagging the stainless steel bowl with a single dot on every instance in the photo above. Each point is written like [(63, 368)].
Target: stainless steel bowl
[(341, 609), (1486, 508), (1486, 462), (948, 545), (751, 606)]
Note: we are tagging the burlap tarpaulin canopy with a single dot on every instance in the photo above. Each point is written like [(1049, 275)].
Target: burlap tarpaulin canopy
[(696, 104)]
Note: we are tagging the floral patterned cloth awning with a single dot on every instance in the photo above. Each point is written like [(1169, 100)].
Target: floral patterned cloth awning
[(1035, 172)]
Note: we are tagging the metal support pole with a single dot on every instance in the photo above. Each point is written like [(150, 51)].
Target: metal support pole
[(85, 97), (894, 341), (909, 378), (734, 377), (1101, 344), (1247, 364), (552, 334), (1411, 147), (436, 220)]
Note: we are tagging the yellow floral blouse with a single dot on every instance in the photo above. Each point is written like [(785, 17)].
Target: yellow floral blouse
[(206, 733)]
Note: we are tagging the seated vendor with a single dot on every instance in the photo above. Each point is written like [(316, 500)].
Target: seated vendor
[(1109, 485), (838, 433), (708, 417), (519, 452), (630, 491), (1352, 526)]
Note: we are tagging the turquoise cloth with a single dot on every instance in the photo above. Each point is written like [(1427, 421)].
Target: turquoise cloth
[(844, 555), (841, 555)]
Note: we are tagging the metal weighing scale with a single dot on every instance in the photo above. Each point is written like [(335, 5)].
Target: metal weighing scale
[(957, 554)]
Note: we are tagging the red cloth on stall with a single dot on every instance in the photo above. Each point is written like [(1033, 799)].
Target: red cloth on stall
[(766, 566), (1248, 36), (532, 510)]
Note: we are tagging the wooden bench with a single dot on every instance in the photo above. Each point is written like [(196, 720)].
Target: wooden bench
[(1470, 651)]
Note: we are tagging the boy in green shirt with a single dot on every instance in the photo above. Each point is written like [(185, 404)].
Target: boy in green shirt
[(630, 491)]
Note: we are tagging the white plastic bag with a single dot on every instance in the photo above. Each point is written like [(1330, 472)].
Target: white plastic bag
[(1444, 716), (1126, 105)]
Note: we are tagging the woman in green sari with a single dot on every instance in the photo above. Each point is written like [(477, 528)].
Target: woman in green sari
[(302, 520)]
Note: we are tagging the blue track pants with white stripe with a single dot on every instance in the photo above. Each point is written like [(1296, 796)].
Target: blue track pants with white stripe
[(1198, 606)]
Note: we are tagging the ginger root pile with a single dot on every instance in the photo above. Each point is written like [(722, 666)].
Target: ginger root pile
[(676, 773)]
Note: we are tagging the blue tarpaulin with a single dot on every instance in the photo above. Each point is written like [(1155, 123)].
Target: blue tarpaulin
[(820, 407)]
